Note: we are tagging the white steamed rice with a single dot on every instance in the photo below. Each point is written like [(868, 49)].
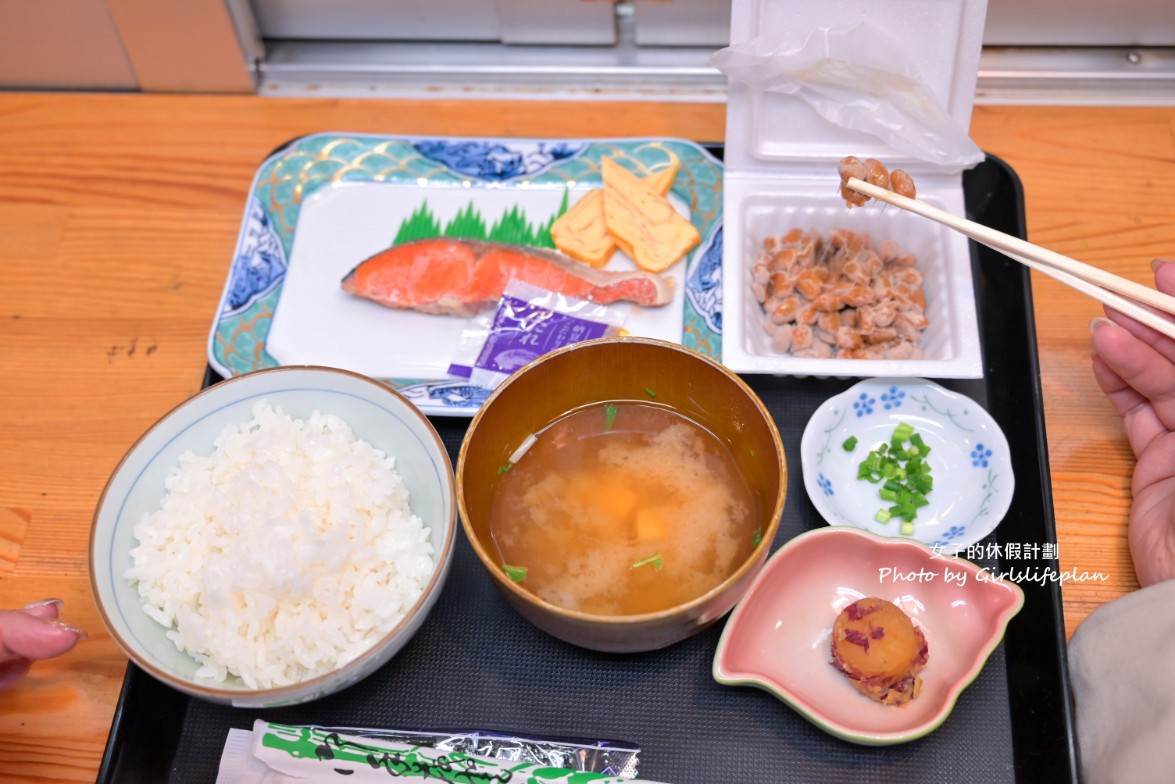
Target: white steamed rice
[(287, 552)]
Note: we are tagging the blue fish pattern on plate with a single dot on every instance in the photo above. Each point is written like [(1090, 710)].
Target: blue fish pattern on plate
[(497, 161), (447, 394), (260, 263), (703, 287)]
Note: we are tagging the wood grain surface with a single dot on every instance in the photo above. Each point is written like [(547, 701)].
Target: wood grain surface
[(119, 215)]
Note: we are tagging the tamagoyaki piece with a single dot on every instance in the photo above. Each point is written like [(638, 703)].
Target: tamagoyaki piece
[(582, 232)]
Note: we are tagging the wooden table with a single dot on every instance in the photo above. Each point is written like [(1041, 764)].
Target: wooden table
[(119, 216)]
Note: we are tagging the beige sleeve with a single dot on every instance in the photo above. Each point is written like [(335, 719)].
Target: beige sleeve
[(1122, 662)]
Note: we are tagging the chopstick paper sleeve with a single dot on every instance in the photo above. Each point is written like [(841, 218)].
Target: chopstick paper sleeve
[(307, 754)]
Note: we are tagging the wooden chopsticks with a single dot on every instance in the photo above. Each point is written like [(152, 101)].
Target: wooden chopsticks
[(1126, 296)]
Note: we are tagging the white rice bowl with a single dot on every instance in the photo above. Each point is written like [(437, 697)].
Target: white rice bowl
[(284, 554), (215, 564)]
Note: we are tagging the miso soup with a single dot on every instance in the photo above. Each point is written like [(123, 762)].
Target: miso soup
[(621, 509)]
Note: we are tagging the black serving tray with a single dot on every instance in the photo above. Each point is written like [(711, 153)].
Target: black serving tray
[(475, 663)]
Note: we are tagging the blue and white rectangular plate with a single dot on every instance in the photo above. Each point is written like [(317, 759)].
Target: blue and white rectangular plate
[(325, 202)]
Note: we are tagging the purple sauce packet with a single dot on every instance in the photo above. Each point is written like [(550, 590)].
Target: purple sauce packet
[(522, 331), (528, 323)]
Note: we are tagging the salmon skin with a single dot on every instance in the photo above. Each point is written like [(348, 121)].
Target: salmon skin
[(458, 277)]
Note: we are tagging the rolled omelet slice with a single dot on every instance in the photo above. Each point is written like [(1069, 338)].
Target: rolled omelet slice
[(643, 223), (582, 232)]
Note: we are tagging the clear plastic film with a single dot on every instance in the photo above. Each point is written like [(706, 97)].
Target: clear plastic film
[(858, 78)]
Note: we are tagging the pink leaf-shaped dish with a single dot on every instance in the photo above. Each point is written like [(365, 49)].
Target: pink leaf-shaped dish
[(779, 636)]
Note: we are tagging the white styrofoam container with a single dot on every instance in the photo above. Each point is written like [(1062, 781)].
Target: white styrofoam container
[(781, 172)]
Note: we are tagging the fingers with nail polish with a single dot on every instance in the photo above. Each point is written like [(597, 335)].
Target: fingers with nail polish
[(31, 633)]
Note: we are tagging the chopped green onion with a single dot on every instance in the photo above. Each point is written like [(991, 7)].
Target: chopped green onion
[(650, 392), (919, 448), (907, 528), (900, 468), (505, 467), (850, 443), (515, 573), (757, 538), (654, 559), (609, 416)]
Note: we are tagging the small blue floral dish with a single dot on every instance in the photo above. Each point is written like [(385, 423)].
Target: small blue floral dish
[(961, 448)]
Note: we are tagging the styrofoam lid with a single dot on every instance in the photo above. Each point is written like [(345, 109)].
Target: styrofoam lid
[(938, 43)]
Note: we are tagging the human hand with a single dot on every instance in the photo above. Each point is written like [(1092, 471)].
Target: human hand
[(1135, 367), (32, 633)]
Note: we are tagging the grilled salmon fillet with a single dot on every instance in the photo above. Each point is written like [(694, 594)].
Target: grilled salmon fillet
[(459, 277)]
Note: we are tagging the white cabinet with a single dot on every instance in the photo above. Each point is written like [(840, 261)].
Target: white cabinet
[(645, 47), (681, 22), (507, 21)]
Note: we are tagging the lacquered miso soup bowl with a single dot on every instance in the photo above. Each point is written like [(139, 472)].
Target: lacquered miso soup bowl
[(626, 369)]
